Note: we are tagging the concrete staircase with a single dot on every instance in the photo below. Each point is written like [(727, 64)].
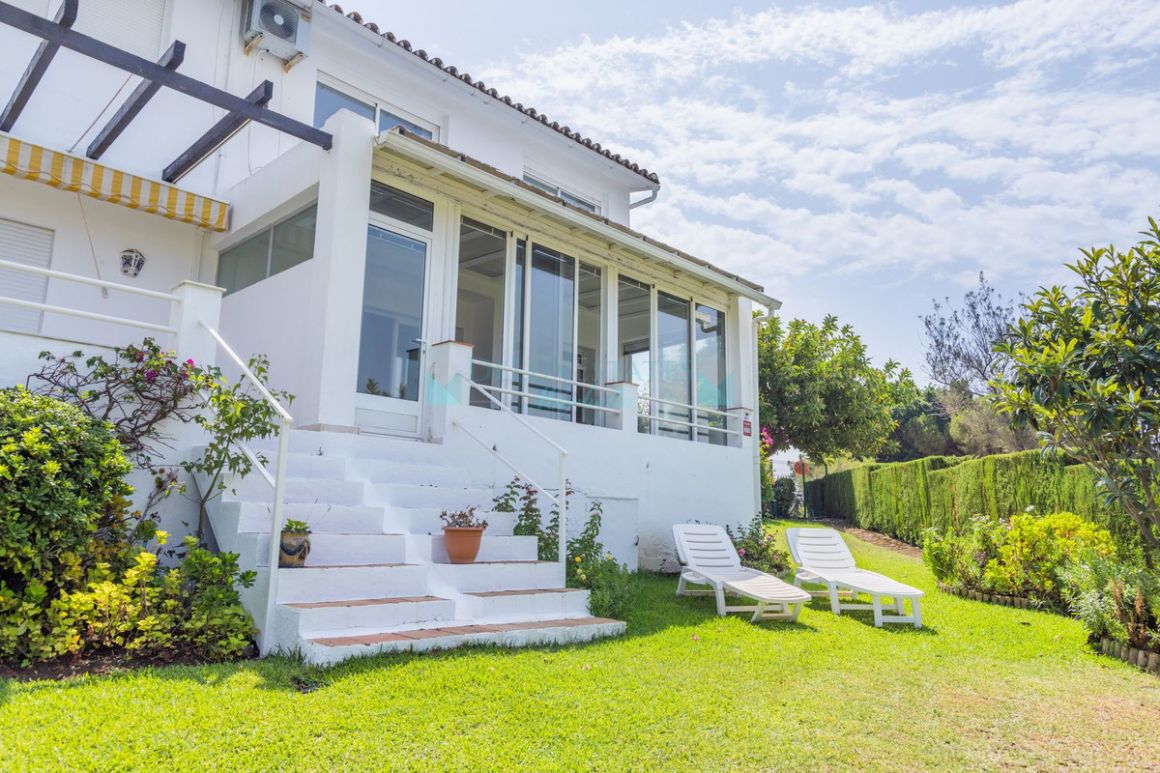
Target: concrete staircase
[(377, 578)]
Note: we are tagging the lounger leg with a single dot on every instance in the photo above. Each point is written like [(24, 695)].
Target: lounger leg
[(877, 601), (758, 613), (681, 586), (916, 610), (835, 604), (795, 610), (720, 600), (898, 604)]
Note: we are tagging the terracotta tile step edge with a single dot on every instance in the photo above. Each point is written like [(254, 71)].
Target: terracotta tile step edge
[(363, 602), (530, 592), (460, 630)]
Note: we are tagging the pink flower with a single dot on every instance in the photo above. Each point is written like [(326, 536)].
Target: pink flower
[(150, 376), (140, 356), (189, 363)]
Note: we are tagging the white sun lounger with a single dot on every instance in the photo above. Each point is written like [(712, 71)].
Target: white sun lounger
[(710, 559), (823, 557)]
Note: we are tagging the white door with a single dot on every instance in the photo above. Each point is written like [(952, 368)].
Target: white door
[(392, 342)]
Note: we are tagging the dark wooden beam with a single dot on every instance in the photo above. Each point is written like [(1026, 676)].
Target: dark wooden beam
[(123, 60), (212, 139), (141, 95), (66, 15)]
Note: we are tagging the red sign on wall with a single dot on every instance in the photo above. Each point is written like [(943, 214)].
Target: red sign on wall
[(747, 428)]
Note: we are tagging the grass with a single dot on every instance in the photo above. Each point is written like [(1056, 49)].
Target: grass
[(982, 687)]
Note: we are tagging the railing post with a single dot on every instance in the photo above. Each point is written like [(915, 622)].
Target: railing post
[(197, 303), (563, 501), (276, 535), (448, 390), (626, 397)]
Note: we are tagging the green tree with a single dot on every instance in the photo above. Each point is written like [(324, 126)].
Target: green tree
[(821, 394), (1086, 373)]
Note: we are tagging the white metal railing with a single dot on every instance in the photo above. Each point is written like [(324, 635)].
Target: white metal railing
[(526, 394), (693, 411), (561, 498), (277, 480), (81, 313)]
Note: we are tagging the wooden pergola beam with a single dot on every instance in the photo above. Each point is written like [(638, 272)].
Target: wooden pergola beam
[(64, 37), (141, 95), (66, 16), (219, 133)]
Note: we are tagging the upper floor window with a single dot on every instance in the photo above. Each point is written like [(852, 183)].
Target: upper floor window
[(329, 100), (268, 252), (576, 200)]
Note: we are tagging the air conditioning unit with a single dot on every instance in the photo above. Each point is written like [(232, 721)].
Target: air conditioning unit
[(281, 27)]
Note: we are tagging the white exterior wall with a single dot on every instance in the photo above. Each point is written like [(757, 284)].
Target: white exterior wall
[(307, 318)]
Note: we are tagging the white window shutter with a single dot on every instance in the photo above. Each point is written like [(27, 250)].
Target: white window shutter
[(133, 25), (21, 243)]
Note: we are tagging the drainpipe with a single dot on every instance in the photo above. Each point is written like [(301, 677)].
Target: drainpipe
[(649, 199), (757, 321)]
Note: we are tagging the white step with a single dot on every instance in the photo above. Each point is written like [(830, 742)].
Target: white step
[(338, 583), (393, 471), (327, 491), (501, 575), (443, 497), (332, 649), (360, 446), (533, 604), (336, 618), (315, 466), (327, 549), (493, 547), (425, 520), (334, 519)]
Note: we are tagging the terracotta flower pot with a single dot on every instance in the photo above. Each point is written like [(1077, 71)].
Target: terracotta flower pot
[(294, 550), (462, 543)]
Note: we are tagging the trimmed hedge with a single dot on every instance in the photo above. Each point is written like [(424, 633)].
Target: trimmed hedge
[(904, 498)]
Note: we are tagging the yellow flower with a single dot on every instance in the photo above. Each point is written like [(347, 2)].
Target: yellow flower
[(161, 536), (578, 559)]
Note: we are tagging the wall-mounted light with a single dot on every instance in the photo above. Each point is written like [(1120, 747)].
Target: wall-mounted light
[(132, 261)]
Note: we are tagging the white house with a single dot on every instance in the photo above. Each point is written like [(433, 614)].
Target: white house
[(446, 280)]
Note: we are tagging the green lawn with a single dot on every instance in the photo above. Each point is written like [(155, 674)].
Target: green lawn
[(981, 687)]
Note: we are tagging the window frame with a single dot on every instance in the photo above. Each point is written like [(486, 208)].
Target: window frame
[(545, 184), (268, 232), (379, 106)]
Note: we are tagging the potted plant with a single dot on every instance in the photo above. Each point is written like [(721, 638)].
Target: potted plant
[(462, 533), (295, 543)]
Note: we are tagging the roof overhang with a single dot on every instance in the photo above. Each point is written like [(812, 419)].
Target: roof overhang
[(72, 173), (449, 162)]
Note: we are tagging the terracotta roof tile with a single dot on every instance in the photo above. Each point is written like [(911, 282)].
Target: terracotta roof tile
[(531, 112)]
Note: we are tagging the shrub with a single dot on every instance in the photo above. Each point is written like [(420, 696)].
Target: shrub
[(1119, 601), (758, 549), (61, 480), (612, 589), (1035, 550), (523, 500), (1025, 556), (191, 610), (784, 496)]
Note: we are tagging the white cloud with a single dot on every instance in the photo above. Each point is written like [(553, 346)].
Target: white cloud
[(844, 143)]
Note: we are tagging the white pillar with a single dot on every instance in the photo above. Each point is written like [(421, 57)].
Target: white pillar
[(336, 292), (196, 303), (447, 392), (627, 393)]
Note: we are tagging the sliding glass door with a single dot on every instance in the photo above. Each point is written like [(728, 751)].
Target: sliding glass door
[(551, 333)]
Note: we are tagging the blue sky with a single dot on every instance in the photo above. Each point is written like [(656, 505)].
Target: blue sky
[(855, 158)]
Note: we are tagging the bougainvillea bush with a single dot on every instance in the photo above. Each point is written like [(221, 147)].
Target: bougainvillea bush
[(757, 548)]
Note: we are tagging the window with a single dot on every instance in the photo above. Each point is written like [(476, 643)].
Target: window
[(674, 374), (633, 329), (132, 25), (30, 245), (572, 199), (402, 206), (479, 300), (269, 252), (329, 100), (709, 354)]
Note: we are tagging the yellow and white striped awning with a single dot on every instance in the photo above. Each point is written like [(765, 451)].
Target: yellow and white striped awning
[(72, 173)]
